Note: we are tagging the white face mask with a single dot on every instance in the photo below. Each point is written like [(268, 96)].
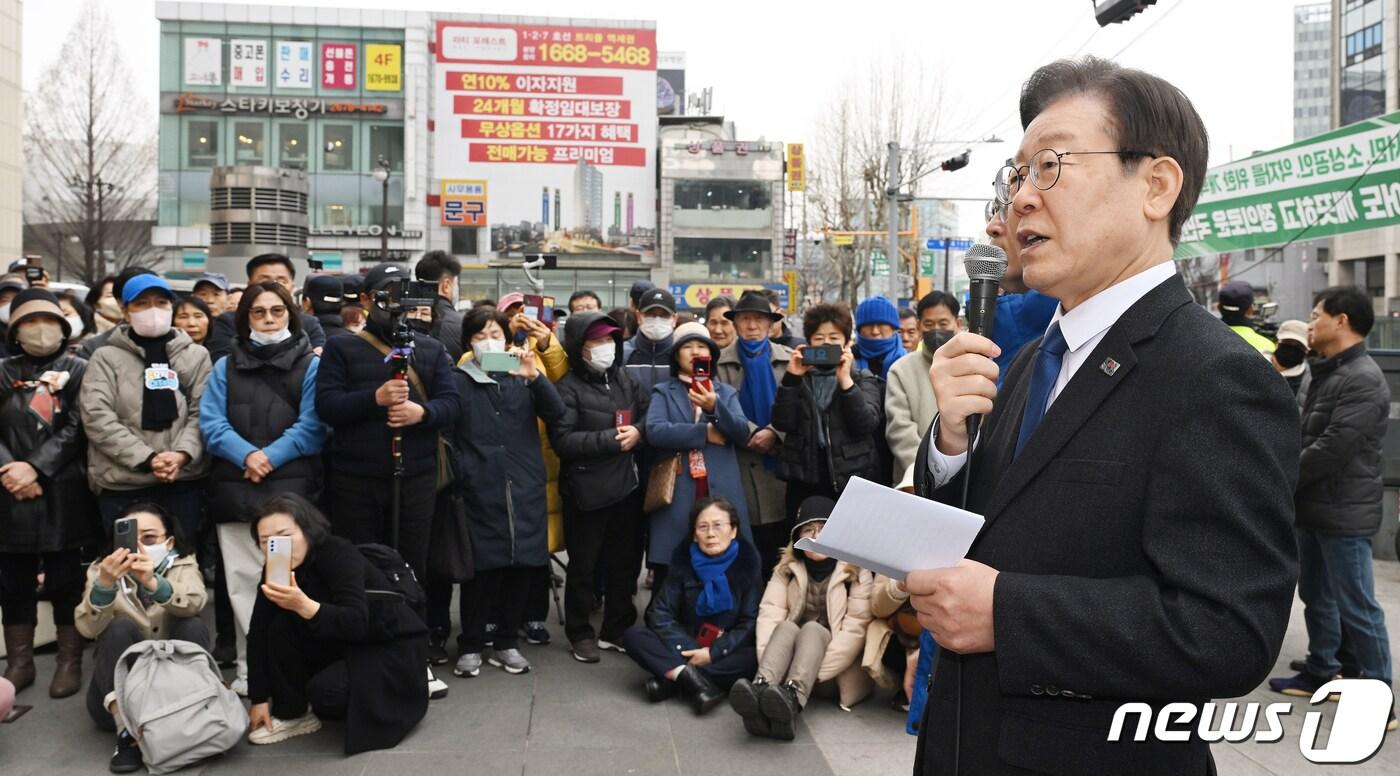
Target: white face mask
[(657, 329), (152, 322), (601, 357), (481, 347), (40, 338), (156, 552), (108, 308), (5, 313), (75, 324), (263, 338)]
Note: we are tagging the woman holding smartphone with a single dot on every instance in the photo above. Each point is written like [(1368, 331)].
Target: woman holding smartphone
[(699, 633), (694, 424), (829, 412), (502, 480), (321, 646), (155, 591)]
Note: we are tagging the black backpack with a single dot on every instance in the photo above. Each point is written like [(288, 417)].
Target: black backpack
[(402, 582)]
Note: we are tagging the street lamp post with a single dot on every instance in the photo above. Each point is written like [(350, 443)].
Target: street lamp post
[(381, 174)]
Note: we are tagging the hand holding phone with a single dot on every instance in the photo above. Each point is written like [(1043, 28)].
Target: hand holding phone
[(278, 569), (124, 535)]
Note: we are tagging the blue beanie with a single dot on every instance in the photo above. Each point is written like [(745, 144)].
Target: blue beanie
[(876, 309)]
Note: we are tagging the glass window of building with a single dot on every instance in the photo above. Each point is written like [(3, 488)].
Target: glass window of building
[(202, 144), (339, 147), (386, 142), (721, 195), (1362, 79), (464, 241), (708, 257), (292, 144), (248, 147)]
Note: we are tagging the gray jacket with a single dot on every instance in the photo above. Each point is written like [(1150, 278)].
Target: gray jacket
[(1344, 420), (110, 401)]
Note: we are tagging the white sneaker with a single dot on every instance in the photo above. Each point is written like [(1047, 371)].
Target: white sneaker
[(437, 688), (611, 646), (239, 686), (279, 730)]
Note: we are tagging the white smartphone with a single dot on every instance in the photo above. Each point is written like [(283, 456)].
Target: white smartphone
[(278, 570)]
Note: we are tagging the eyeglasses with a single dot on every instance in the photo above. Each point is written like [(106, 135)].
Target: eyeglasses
[(712, 528), (995, 211), (1044, 171), (277, 311)]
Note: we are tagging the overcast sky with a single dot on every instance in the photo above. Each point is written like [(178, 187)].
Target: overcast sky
[(773, 65)]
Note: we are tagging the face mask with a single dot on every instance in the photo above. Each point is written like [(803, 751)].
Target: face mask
[(657, 329), (5, 313), (601, 357), (40, 338), (152, 322), (156, 552), (75, 324), (482, 347), (933, 340), (419, 325), (107, 306), (1289, 355), (264, 338)]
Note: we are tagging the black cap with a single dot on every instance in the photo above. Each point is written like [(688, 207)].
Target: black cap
[(325, 292), (383, 273), (638, 288), (657, 297), (811, 510), (1236, 296), (753, 302), (351, 286)]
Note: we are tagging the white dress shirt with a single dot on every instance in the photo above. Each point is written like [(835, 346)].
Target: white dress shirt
[(1083, 328)]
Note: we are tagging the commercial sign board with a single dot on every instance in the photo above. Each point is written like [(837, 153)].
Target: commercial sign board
[(247, 62), (383, 67), (463, 203), (204, 62), (338, 66), (561, 121), (1346, 180), (695, 296), (294, 65), (298, 107), (796, 168), (363, 230)]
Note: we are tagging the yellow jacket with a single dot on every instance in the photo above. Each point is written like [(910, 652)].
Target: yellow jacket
[(555, 364)]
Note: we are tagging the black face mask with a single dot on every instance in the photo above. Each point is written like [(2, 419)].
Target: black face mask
[(1289, 355), (933, 340), (419, 325)]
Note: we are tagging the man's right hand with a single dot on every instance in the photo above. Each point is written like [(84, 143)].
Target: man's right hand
[(392, 392), (964, 378)]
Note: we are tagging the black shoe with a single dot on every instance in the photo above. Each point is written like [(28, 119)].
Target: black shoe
[(437, 649), (535, 633), (702, 693), (780, 706), (127, 757), (659, 690), (743, 699), (226, 655)]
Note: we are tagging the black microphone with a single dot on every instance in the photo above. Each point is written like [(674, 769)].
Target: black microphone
[(985, 264)]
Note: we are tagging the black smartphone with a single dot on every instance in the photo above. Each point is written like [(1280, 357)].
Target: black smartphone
[(124, 534), (821, 355)]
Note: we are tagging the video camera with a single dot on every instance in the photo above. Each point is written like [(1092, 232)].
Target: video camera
[(397, 297)]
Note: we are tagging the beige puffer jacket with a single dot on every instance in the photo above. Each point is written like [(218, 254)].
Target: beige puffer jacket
[(186, 600), (111, 407), (847, 609)]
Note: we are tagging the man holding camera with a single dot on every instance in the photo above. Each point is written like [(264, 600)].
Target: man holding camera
[(366, 406)]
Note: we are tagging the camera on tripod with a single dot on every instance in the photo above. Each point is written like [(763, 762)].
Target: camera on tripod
[(397, 297)]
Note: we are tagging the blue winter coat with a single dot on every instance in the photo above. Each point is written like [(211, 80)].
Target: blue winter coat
[(671, 429)]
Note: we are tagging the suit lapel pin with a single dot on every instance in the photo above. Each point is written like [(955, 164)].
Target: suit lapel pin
[(1108, 367)]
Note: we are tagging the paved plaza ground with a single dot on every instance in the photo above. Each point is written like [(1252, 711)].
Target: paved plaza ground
[(569, 718)]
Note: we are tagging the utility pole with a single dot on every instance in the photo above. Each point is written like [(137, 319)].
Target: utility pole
[(892, 257)]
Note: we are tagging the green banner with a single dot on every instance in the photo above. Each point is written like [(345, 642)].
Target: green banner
[(1347, 180), (879, 267), (928, 264)]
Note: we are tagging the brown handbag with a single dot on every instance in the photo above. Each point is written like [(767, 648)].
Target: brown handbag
[(661, 484)]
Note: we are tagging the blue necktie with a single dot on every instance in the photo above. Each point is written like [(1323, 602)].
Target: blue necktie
[(1044, 372)]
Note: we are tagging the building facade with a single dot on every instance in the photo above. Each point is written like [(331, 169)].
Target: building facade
[(11, 124), (1312, 72)]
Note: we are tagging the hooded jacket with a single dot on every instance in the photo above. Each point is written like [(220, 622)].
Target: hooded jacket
[(594, 469), (113, 389), (829, 447), (647, 361)]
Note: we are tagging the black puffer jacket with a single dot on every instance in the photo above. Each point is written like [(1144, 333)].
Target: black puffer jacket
[(1344, 420), (64, 518), (594, 470), (447, 327), (838, 443)]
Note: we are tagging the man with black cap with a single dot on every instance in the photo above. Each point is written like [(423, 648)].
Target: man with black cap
[(212, 289), (444, 269), (266, 267), (1237, 309), (323, 296), (647, 356)]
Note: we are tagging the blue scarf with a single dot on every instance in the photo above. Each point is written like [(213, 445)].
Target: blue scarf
[(759, 389), (886, 351), (715, 598)]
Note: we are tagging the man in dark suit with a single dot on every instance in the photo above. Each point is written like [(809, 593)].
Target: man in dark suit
[(445, 270), (1135, 469)]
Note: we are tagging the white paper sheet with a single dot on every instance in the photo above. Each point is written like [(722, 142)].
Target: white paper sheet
[(893, 533)]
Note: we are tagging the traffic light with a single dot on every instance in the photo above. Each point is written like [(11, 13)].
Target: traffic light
[(1113, 11), (955, 162)]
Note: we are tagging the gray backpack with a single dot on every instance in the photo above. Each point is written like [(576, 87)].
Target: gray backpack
[(176, 706)]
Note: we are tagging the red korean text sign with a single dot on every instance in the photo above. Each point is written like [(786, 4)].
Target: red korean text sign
[(556, 46)]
